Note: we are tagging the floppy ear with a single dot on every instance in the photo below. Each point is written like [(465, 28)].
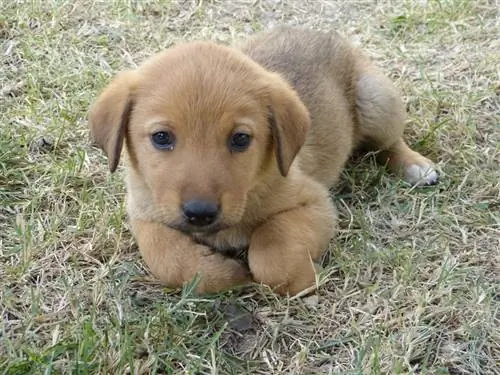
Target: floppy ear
[(109, 116), (289, 121)]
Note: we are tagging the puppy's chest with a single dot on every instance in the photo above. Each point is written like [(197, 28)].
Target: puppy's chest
[(232, 242)]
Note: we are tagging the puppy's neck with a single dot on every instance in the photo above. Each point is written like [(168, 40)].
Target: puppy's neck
[(275, 193)]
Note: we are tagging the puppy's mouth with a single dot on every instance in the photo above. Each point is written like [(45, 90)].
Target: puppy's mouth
[(187, 228)]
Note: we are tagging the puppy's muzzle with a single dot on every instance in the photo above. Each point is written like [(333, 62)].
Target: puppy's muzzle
[(200, 213)]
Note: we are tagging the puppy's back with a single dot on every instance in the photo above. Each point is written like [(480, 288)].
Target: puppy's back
[(304, 57)]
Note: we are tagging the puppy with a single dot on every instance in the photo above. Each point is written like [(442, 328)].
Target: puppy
[(233, 151)]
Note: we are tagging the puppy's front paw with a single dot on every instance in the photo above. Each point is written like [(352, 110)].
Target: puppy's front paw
[(287, 269), (219, 272)]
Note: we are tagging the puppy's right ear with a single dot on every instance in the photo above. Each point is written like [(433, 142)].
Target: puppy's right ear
[(110, 114)]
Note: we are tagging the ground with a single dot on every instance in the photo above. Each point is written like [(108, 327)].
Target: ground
[(411, 285)]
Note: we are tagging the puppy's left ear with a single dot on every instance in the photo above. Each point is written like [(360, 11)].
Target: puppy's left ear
[(109, 116), (289, 121)]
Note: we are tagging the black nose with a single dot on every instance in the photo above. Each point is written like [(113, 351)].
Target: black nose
[(200, 212)]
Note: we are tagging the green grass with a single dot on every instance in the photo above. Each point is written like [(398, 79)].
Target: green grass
[(411, 285)]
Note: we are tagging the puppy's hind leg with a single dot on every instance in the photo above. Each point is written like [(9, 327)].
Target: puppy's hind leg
[(381, 117)]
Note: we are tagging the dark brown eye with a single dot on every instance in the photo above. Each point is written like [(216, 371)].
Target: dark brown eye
[(239, 142), (163, 140)]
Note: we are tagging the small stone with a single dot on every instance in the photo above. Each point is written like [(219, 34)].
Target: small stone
[(311, 301), (42, 144)]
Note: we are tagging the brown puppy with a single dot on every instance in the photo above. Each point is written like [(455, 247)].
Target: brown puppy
[(233, 152)]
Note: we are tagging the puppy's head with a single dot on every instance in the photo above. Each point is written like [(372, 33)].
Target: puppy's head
[(203, 125)]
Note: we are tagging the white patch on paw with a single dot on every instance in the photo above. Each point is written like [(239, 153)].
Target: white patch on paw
[(421, 175)]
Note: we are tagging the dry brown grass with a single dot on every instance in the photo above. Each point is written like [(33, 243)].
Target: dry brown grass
[(411, 286)]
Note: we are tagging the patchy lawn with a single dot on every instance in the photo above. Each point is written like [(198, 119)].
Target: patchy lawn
[(412, 284)]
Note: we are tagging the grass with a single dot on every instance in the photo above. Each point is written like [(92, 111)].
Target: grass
[(411, 286)]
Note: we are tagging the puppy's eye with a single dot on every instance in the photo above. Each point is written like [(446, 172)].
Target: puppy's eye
[(239, 142), (163, 140)]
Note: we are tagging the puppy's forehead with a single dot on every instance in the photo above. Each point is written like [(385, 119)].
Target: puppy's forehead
[(202, 78)]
